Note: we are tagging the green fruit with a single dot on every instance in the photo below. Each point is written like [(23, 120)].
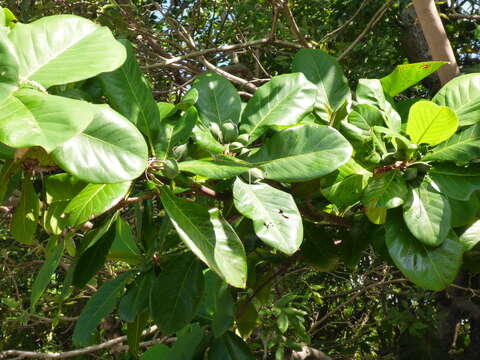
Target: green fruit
[(229, 131)]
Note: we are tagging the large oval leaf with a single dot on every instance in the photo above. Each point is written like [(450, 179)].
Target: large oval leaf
[(209, 236), (64, 48), (430, 268), (302, 153), (431, 124), (275, 216), (462, 94), (387, 190), (427, 215), (218, 100), (406, 75), (461, 147), (99, 306), (177, 293), (284, 100), (94, 200), (325, 72), (128, 92), (8, 67), (109, 150), (31, 118), (456, 182)]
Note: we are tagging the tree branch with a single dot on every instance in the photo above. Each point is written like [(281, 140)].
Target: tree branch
[(346, 23), (20, 354), (376, 18), (293, 24)]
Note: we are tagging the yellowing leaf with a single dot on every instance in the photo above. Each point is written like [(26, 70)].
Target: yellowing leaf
[(431, 124)]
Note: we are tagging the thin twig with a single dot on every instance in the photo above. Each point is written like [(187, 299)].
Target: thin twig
[(375, 18), (293, 24), (346, 23)]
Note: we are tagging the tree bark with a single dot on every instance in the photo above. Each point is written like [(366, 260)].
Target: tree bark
[(437, 39)]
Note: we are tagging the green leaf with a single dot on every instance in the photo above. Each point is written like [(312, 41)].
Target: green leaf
[(8, 67), (387, 190), (325, 72), (407, 75), (94, 200), (275, 216), (99, 306), (175, 131), (128, 93), (188, 100), (134, 333), (346, 191), (124, 247), (59, 49), (430, 268), (427, 215), (302, 153), (31, 118), (462, 94), (282, 322), (230, 347), (60, 190), (370, 91), (24, 222), (431, 124), (220, 167), (205, 139), (361, 121), (176, 293), (464, 212), (218, 100), (46, 271), (209, 236), (471, 236), (454, 181), (136, 300), (283, 101), (93, 259), (184, 348), (109, 150), (461, 147)]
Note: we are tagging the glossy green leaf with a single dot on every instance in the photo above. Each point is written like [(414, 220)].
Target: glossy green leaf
[(128, 93), (209, 236), (94, 200), (430, 268), (427, 215), (454, 181), (431, 124), (377, 215), (175, 131), (219, 167), (370, 91), (31, 118), (136, 299), (24, 222), (8, 67), (462, 94), (325, 72), (387, 190), (205, 140), (188, 100), (109, 150), (218, 100), (284, 100), (302, 153), (275, 216), (361, 121), (60, 189), (45, 273), (471, 236), (176, 294), (406, 75), (346, 192), (124, 247), (100, 305), (461, 147), (93, 259), (59, 49)]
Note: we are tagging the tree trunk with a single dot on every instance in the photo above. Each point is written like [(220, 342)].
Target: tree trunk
[(437, 39)]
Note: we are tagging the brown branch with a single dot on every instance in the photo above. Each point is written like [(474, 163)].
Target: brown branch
[(346, 23), (456, 15), (371, 24), (315, 326), (293, 24), (20, 354)]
